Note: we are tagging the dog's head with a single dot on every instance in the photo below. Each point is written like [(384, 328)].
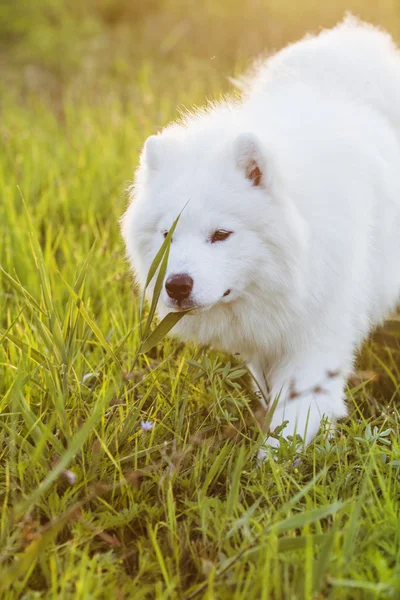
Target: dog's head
[(233, 236)]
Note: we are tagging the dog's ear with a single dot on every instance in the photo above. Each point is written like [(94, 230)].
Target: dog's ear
[(249, 158), (153, 152)]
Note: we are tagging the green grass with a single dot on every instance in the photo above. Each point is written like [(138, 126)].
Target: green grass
[(92, 506)]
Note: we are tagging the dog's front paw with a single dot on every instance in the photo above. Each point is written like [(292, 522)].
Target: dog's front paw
[(302, 420)]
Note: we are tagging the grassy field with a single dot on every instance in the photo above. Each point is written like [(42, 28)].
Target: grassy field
[(142, 483)]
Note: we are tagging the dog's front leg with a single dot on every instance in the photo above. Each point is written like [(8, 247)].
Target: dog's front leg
[(305, 396)]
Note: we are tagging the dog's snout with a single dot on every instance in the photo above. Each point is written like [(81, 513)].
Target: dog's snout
[(179, 286)]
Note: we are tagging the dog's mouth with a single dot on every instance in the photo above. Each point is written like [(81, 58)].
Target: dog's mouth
[(191, 306)]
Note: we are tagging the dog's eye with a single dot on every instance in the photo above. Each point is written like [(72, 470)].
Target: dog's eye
[(220, 235)]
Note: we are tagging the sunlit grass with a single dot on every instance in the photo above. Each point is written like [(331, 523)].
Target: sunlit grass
[(94, 504)]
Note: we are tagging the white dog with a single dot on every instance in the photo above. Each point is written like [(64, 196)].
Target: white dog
[(289, 243)]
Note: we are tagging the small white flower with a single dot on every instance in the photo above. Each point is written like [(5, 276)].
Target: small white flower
[(147, 425), (88, 376), (70, 476)]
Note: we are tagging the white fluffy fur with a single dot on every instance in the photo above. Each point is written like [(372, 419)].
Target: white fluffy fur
[(314, 258)]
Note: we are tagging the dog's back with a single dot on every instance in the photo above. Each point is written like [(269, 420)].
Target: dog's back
[(354, 59)]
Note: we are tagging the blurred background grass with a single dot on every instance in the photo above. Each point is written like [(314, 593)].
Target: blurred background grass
[(98, 47)]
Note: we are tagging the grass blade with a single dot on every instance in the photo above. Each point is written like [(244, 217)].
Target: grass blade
[(161, 330)]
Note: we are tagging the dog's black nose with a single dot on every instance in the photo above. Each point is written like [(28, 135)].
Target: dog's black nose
[(179, 286)]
